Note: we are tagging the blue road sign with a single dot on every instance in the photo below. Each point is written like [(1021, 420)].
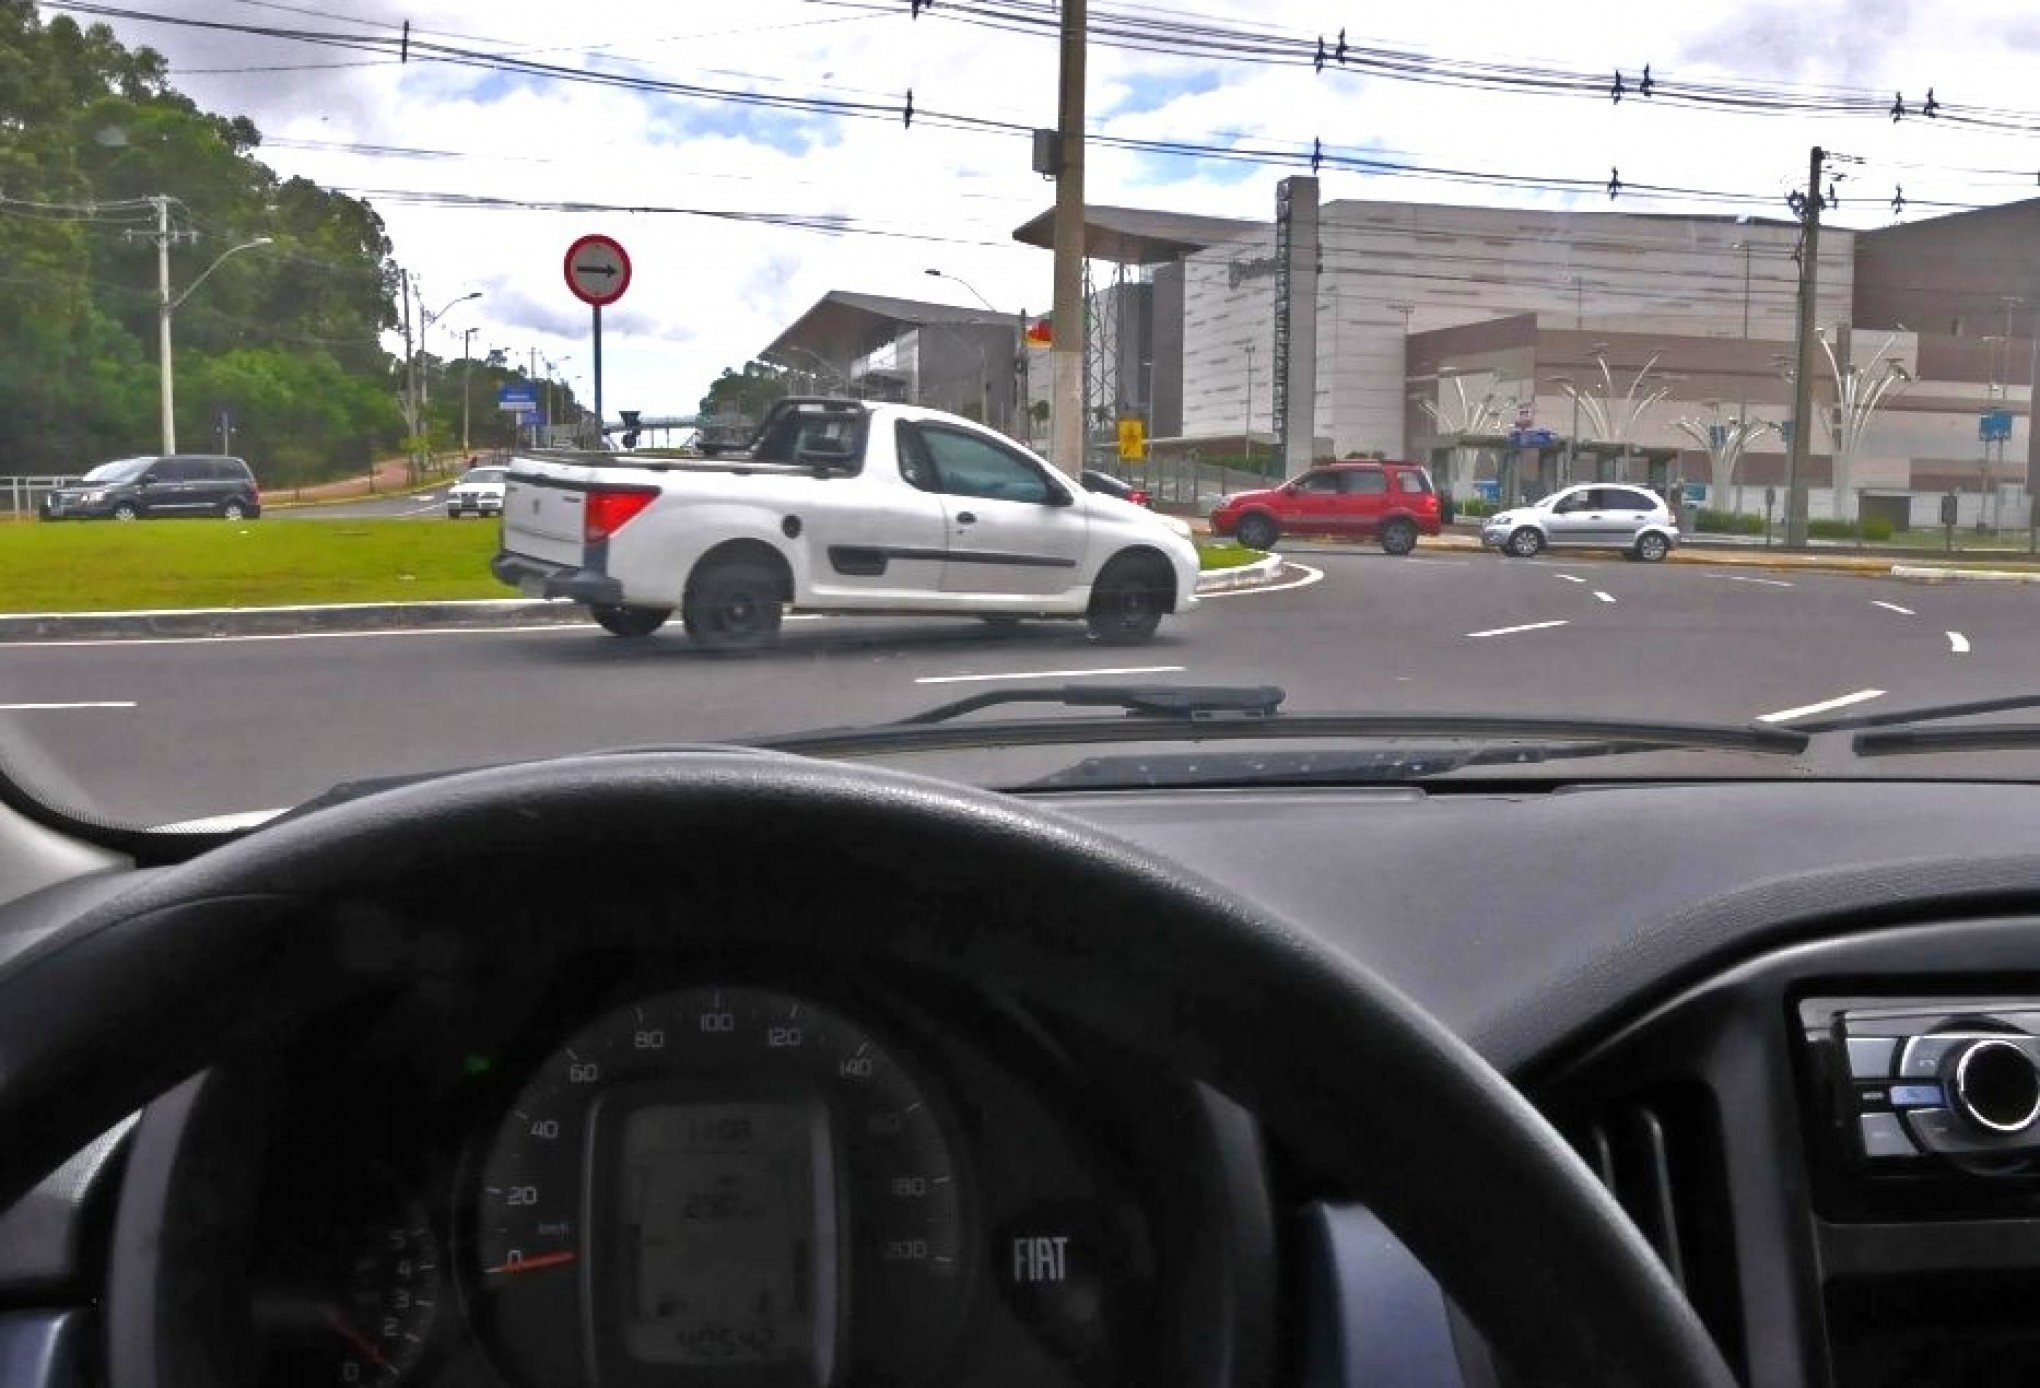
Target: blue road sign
[(521, 399), (1994, 426)]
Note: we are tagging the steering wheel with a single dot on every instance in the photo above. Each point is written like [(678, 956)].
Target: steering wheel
[(149, 987)]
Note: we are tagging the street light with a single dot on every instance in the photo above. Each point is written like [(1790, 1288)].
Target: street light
[(169, 306), (945, 275)]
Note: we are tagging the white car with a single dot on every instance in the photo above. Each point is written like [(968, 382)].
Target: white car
[(1595, 515), (479, 492), (840, 506)]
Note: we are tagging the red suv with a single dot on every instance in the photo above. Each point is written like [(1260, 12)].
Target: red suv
[(1391, 502)]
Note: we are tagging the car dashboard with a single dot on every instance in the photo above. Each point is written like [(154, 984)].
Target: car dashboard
[(1795, 1028)]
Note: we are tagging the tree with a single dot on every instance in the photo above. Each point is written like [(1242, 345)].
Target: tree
[(747, 393), (88, 128)]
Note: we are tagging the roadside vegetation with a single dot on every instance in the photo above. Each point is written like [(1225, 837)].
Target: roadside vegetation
[(108, 567)]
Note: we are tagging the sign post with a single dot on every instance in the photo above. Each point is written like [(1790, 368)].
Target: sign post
[(598, 271)]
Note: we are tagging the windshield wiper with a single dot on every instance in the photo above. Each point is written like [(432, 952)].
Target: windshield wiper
[(1900, 732), (1163, 700), (1198, 713)]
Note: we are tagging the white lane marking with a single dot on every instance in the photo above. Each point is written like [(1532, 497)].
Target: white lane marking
[(525, 628), (1892, 607), (1570, 578), (1310, 576), (1784, 715), (1604, 597), (1958, 643), (1744, 578), (1053, 674), (1511, 631), (39, 708)]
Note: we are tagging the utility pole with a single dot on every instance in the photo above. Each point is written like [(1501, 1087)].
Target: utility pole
[(466, 394), (163, 322), (1799, 456), (1066, 349), (410, 386)]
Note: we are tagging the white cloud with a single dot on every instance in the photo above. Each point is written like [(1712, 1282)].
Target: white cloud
[(707, 293)]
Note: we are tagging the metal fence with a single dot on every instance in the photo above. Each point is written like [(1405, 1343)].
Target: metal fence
[(22, 496), (1186, 481)]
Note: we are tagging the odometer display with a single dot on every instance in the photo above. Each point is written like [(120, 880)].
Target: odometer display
[(727, 1184)]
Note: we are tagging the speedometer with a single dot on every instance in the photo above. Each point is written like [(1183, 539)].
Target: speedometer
[(715, 1186)]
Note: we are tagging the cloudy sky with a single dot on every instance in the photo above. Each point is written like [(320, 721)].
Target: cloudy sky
[(709, 292)]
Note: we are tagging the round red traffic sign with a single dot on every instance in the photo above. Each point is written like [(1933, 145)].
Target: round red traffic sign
[(598, 270)]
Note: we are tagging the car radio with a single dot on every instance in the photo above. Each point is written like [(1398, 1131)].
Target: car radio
[(1945, 1080)]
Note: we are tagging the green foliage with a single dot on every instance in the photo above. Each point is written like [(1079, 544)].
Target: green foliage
[(1474, 507), (746, 393), (284, 337), (1728, 523), (1874, 530)]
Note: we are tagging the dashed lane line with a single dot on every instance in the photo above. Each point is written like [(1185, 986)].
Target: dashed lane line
[(1511, 631), (1893, 607), (1570, 578), (1786, 715), (45, 708), (1958, 643), (1604, 597)]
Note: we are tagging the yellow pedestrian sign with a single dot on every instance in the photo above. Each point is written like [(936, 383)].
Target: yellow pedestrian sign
[(1132, 440)]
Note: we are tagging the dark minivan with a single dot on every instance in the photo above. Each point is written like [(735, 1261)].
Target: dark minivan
[(183, 484)]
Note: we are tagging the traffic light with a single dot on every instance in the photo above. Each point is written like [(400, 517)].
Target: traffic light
[(630, 427)]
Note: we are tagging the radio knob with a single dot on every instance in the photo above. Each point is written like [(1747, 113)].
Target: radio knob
[(1996, 1085)]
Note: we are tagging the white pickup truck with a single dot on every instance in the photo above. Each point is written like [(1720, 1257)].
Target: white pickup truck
[(839, 506)]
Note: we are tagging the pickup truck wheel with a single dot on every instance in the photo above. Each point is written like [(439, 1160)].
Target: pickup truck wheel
[(629, 621), (733, 606), (1257, 532), (1128, 601)]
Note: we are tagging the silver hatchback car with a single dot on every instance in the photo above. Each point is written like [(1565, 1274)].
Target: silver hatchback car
[(1594, 515)]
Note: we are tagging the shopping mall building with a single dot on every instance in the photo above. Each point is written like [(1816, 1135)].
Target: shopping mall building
[(1514, 348)]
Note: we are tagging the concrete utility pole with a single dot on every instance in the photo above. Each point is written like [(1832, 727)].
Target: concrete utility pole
[(466, 395), (1066, 349), (167, 306), (1799, 455), (168, 388)]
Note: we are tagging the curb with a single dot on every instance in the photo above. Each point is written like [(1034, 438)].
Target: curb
[(474, 614), (1239, 576), (286, 621), (1922, 574)]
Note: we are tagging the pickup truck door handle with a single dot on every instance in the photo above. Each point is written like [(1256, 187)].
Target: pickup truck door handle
[(966, 518)]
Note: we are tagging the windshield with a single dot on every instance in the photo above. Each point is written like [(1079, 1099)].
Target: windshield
[(125, 470), (808, 431)]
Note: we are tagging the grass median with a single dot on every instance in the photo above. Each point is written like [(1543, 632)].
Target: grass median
[(1226, 554), (93, 566)]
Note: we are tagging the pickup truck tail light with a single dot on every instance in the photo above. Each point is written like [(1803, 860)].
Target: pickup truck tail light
[(608, 511)]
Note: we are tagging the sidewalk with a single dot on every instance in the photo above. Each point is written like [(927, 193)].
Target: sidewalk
[(392, 477)]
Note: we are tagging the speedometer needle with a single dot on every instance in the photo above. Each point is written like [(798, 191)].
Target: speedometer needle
[(361, 1343), (533, 1264)]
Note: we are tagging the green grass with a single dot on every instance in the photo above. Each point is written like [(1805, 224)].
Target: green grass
[(104, 566), (1226, 554)]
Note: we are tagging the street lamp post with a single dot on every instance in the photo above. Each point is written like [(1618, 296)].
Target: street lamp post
[(167, 306), (1247, 420), (423, 378), (1019, 346)]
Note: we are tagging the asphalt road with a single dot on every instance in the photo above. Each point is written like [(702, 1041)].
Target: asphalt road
[(155, 731)]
